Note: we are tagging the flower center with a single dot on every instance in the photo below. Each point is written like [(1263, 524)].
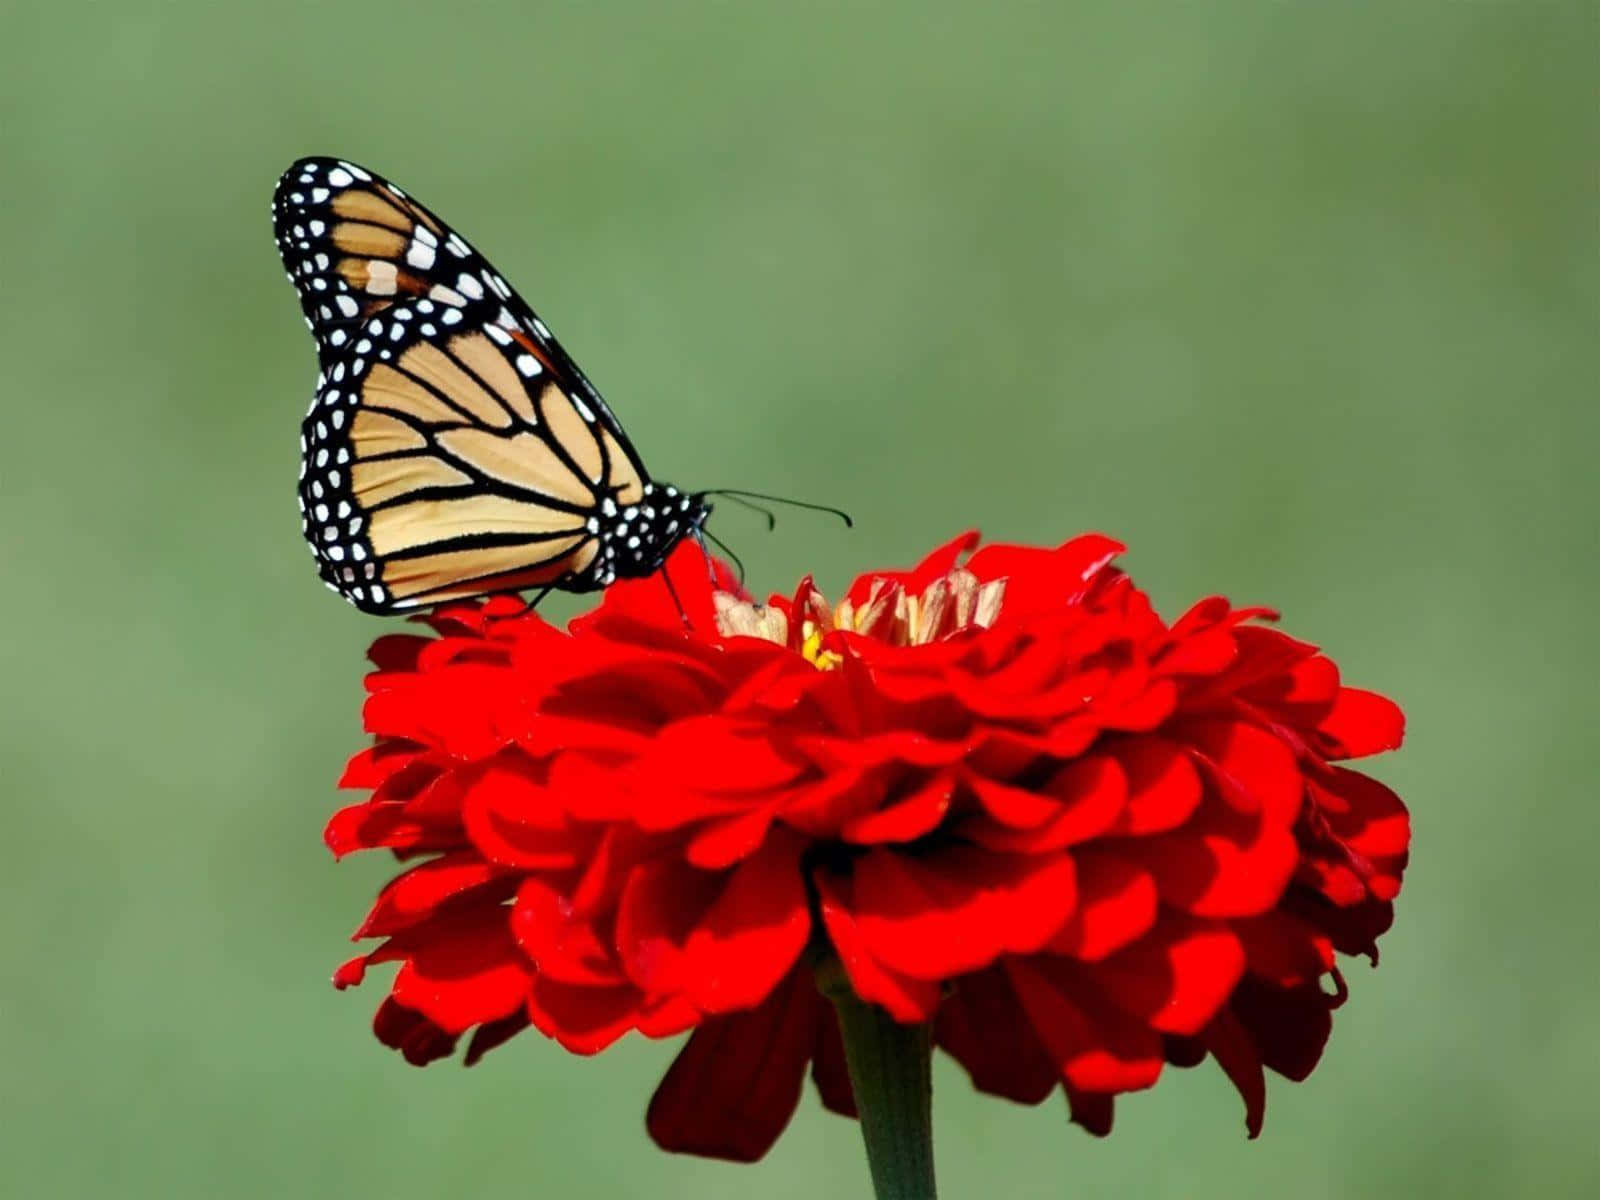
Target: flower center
[(888, 613)]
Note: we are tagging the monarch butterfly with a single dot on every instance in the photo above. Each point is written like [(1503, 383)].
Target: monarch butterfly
[(452, 449)]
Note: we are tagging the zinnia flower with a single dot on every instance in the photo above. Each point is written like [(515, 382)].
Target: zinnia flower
[(996, 796)]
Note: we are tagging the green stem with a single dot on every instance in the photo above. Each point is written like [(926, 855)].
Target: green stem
[(890, 1072)]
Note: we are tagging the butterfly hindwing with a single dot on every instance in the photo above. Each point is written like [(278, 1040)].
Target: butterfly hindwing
[(443, 459)]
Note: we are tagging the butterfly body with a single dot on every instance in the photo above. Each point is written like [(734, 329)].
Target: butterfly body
[(452, 449)]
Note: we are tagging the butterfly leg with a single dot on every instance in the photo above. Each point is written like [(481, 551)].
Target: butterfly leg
[(673, 592), (543, 592)]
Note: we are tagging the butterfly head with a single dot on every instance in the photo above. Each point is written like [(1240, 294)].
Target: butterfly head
[(635, 539)]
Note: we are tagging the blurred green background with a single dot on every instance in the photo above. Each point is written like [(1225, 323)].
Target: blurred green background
[(1299, 300)]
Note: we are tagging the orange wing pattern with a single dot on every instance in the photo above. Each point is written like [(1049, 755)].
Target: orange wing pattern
[(453, 449)]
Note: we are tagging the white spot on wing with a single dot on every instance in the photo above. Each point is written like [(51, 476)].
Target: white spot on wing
[(420, 256), (382, 278)]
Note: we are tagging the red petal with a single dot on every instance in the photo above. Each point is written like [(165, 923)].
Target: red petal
[(563, 945), (894, 747), (585, 1020), (1362, 723), (1164, 788), (1117, 903), (651, 602), (377, 763), (907, 1000), (913, 815), (414, 895), (462, 969), (721, 941), (722, 843), (1089, 796), (1014, 807), (518, 822), (1284, 949), (377, 824), (1222, 864), (958, 908), (1044, 580), (1362, 813), (736, 1082), (1256, 771), (1205, 652), (1176, 979)]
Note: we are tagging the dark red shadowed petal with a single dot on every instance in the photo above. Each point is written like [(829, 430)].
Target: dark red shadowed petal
[(1284, 949), (982, 1025), (1230, 1045), (829, 1070), (1288, 1026), (496, 1033), (418, 1039), (1092, 1111), (1095, 1047), (397, 651), (736, 1082)]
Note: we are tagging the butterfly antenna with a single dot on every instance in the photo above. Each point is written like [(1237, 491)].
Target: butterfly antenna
[(738, 564), (740, 496), (772, 517)]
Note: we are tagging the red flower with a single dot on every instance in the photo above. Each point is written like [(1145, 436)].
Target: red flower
[(1007, 796)]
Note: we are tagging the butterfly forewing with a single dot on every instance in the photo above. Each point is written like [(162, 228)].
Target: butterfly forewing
[(453, 448)]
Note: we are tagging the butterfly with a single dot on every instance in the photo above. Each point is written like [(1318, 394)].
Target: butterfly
[(452, 448)]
